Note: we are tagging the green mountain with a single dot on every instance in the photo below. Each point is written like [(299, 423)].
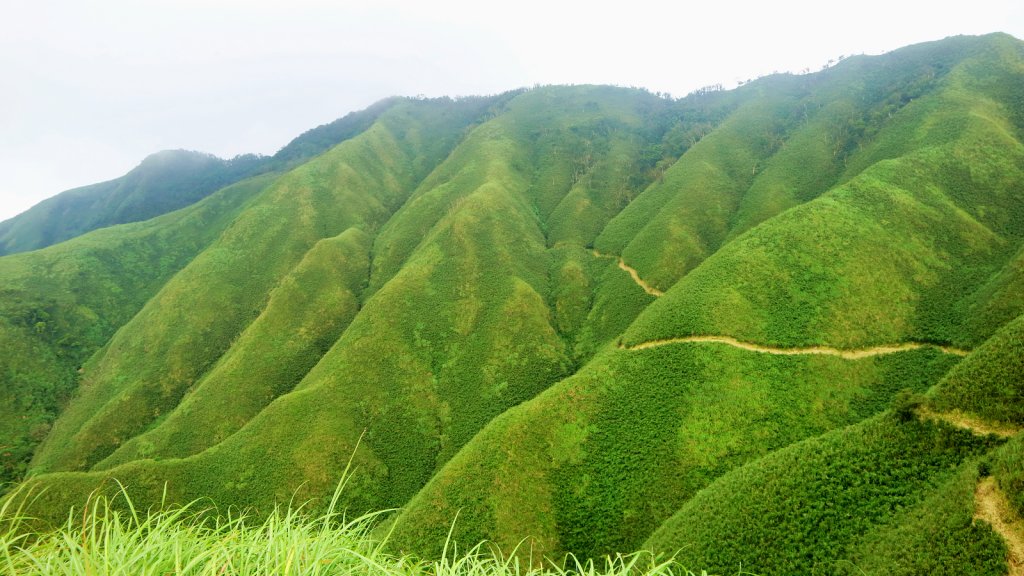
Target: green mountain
[(776, 328), (162, 183)]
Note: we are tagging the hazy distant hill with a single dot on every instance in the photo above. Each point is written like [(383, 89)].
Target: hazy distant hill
[(162, 183), (773, 327)]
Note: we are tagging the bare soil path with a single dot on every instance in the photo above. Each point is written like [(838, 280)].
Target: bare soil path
[(849, 353), (632, 273), (969, 422), (991, 505)]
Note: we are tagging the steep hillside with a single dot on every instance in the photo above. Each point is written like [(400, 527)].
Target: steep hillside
[(588, 315), (181, 333), (61, 304), (600, 460), (888, 260), (483, 278), (990, 384), (923, 489), (804, 509)]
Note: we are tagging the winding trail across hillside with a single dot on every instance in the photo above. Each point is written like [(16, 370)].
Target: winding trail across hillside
[(632, 273), (849, 354), (969, 422), (991, 505)]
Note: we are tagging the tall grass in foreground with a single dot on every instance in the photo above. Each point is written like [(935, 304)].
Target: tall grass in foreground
[(109, 536)]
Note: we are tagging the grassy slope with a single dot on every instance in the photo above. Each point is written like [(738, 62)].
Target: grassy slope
[(681, 219), (938, 535), (998, 300), (867, 499), (792, 280), (61, 304), (860, 500), (482, 293), (316, 141), (305, 314), (888, 255), (990, 383), (803, 509), (462, 305), (598, 461), (1007, 465), (182, 332), (788, 141)]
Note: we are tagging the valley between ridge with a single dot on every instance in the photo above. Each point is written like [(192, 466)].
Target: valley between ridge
[(632, 273)]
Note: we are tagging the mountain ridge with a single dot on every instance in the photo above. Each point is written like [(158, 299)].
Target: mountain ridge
[(163, 182), (444, 297)]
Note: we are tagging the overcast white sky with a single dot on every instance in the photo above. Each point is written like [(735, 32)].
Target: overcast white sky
[(88, 89)]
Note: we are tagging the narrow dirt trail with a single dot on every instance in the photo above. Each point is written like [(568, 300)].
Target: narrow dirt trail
[(991, 505), (968, 422), (849, 354), (632, 273)]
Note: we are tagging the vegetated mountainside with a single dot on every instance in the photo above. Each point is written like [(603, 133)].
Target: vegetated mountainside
[(990, 384), (589, 315), (59, 305), (164, 182), (895, 494), (895, 249)]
